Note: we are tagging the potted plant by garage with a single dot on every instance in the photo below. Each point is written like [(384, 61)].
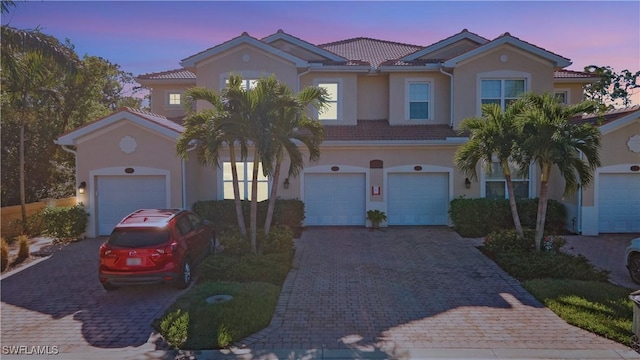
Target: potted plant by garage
[(376, 217)]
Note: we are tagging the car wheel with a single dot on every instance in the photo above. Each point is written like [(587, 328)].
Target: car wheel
[(107, 286), (634, 268), (184, 278)]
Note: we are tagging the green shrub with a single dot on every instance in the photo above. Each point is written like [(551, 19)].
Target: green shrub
[(4, 254), (509, 241), (23, 247), (270, 268), (65, 223), (233, 243), (174, 327), (540, 265), (223, 212), (279, 241), (289, 213), (478, 217)]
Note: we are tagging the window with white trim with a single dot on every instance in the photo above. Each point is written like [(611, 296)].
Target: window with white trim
[(246, 83), (562, 96), (501, 91), (332, 108), (496, 185), (418, 99), (174, 99), (245, 174)]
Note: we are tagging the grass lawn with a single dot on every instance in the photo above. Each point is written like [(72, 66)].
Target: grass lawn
[(602, 308)]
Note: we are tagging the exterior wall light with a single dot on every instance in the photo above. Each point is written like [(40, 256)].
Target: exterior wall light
[(286, 183), (467, 183), (82, 187)]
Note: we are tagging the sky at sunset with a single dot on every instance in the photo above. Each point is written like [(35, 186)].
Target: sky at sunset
[(151, 36)]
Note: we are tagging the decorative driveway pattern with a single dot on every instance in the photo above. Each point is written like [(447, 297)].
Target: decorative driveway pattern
[(398, 291), (60, 303)]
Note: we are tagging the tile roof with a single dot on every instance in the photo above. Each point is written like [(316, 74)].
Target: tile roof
[(606, 117), (169, 74), (370, 50), (158, 119), (372, 130), (570, 74)]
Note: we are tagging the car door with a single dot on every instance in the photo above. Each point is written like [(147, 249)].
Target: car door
[(201, 237), (189, 236)]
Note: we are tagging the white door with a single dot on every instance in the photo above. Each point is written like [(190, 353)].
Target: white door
[(619, 203), (117, 196), (418, 198), (334, 199)]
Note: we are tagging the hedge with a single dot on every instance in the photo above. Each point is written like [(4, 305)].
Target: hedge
[(223, 212), (479, 217)]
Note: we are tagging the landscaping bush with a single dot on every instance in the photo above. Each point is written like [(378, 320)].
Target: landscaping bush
[(4, 254), (279, 241), (65, 223), (23, 247), (233, 243), (478, 217), (544, 265)]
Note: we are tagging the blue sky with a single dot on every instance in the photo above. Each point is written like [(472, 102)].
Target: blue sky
[(150, 36)]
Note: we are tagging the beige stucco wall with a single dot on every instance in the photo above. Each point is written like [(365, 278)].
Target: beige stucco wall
[(247, 61), (160, 100), (518, 64), (574, 91), (201, 181), (440, 92), (373, 97)]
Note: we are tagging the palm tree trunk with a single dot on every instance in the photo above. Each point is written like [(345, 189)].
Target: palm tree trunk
[(542, 205), (512, 199), (23, 207), (272, 196), (254, 203), (236, 191)]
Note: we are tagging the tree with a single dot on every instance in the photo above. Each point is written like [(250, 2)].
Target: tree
[(493, 134), (210, 129), (550, 139), (612, 86), (290, 125)]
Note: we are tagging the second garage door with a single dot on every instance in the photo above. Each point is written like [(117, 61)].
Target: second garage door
[(418, 199), (619, 203), (334, 199), (117, 196)]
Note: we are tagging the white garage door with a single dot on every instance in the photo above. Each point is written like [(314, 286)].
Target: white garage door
[(418, 199), (117, 196), (619, 203), (334, 199)]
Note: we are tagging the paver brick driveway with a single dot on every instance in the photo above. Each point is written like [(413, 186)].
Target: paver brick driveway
[(409, 288)]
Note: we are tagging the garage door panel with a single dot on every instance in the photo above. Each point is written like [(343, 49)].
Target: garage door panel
[(118, 196), (334, 199), (418, 199), (619, 203)]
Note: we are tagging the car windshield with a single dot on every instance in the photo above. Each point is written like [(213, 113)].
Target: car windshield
[(138, 238)]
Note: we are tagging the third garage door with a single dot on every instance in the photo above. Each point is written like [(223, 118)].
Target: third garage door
[(619, 203), (334, 199), (418, 199)]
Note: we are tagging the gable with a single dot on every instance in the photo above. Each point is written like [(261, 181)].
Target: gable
[(297, 51), (300, 48), (452, 50)]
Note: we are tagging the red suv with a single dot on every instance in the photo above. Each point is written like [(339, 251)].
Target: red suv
[(153, 246)]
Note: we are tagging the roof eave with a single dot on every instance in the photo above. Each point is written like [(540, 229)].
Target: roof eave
[(409, 68), (575, 80), (342, 143), (280, 35), (341, 68), (442, 44), (165, 81)]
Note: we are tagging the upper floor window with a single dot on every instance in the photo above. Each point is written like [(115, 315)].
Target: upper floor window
[(419, 99), (562, 96), (245, 177), (496, 185), (332, 108), (246, 83), (501, 91), (174, 99)]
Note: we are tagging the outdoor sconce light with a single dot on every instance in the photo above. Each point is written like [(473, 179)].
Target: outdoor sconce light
[(83, 185), (286, 183), (467, 183)]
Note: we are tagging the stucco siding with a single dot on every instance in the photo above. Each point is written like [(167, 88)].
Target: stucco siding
[(348, 94), (373, 97), (160, 100), (398, 97)]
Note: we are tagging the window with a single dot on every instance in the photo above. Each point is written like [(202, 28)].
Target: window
[(246, 83), (331, 110), (419, 100), (245, 173), (562, 96), (501, 91), (496, 185), (175, 99)]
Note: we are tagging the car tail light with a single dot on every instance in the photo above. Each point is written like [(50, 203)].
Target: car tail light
[(105, 250), (169, 249)]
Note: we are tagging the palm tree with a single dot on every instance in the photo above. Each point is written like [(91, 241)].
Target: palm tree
[(209, 130), (550, 139), (291, 125), (20, 53), (492, 134)]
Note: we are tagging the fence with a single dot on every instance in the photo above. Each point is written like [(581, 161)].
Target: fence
[(12, 215)]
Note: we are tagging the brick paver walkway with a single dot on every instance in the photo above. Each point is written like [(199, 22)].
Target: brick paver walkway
[(408, 288), (59, 302)]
